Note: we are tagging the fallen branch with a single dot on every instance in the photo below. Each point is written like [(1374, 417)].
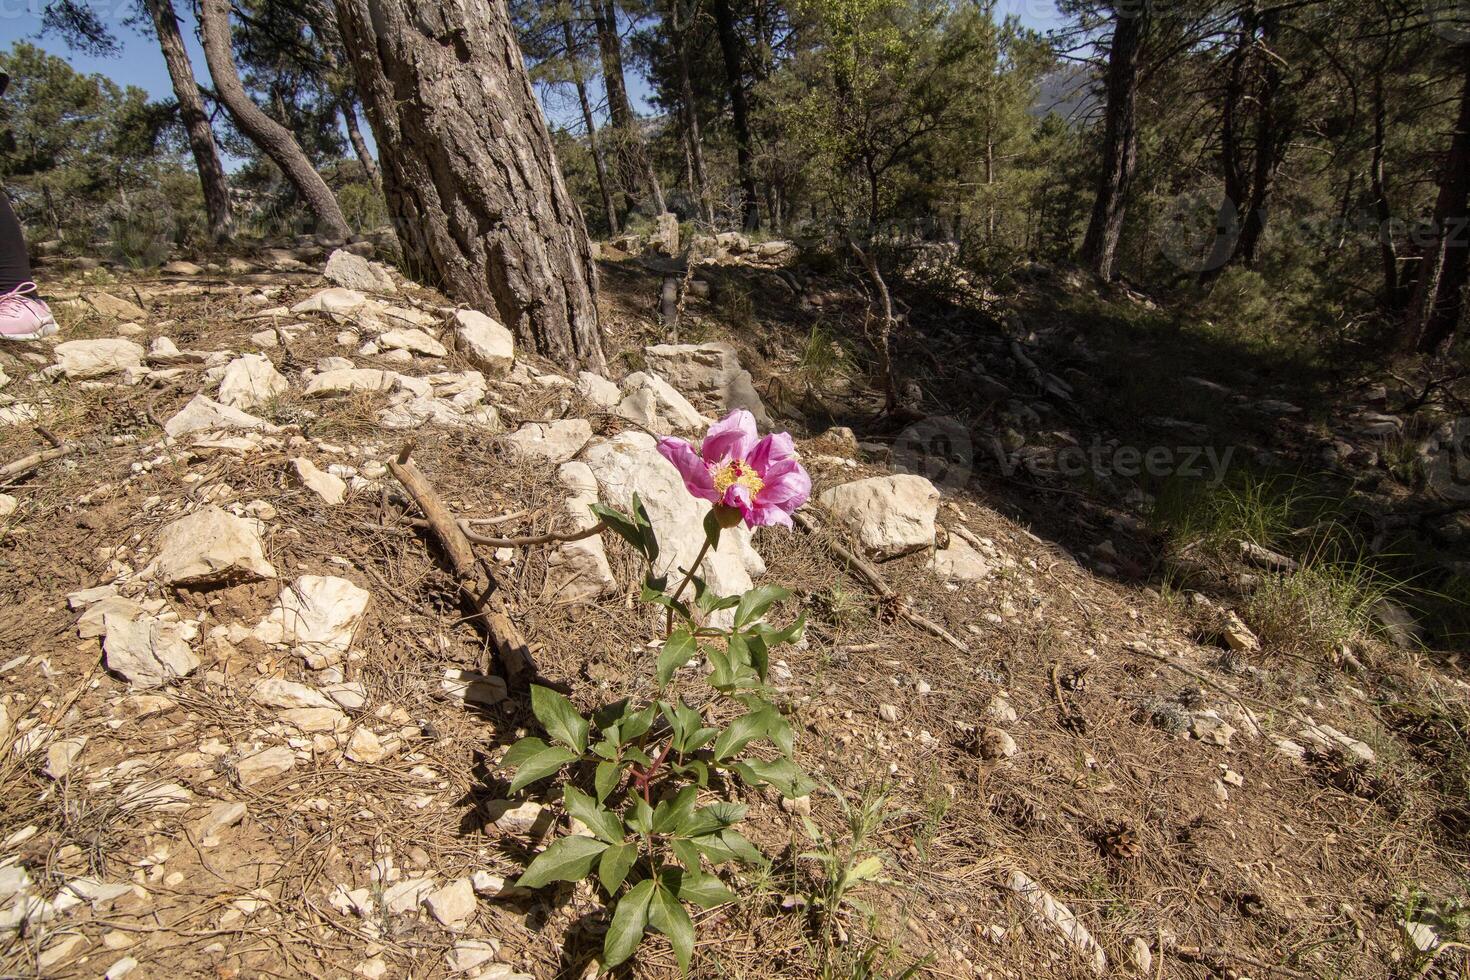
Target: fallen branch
[(465, 527), (887, 594), (28, 464), (477, 586)]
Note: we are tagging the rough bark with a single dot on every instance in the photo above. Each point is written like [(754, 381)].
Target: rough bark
[(740, 110), (359, 145), (637, 170), (1439, 294), (469, 171), (273, 139), (1120, 141), (599, 159), (212, 178)]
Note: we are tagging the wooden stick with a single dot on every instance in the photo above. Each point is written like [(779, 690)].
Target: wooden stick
[(27, 464), (475, 583), (874, 579)]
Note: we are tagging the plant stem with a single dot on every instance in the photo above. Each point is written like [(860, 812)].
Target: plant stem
[(689, 577)]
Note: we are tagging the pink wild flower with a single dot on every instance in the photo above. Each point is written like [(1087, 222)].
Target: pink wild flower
[(746, 477)]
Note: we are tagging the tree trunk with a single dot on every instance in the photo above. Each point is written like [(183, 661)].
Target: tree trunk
[(273, 139), (679, 28), (212, 178), (735, 75), (359, 145), (1438, 303), (1120, 142), (1270, 139), (599, 161), (1382, 209), (637, 170), (469, 171)]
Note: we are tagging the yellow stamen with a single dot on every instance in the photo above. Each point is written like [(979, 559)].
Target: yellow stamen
[(736, 473)]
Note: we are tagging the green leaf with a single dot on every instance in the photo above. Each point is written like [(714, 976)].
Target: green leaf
[(714, 818), (658, 597), (696, 770), (783, 774), (629, 921), (775, 637), (613, 867), (671, 815), (639, 816), (679, 649), (704, 890), (712, 529), (569, 859), (740, 734), (727, 846), (753, 604), (559, 718), (518, 753), (686, 852), (620, 524), (609, 774), (637, 723), (603, 823), (865, 870), (531, 767), (645, 527), (668, 917), (724, 676)]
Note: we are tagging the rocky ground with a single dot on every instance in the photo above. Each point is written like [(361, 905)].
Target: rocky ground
[(247, 728)]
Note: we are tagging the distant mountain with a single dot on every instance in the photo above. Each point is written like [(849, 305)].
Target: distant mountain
[(1069, 92)]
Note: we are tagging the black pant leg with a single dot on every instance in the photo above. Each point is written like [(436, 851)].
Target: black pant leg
[(15, 262)]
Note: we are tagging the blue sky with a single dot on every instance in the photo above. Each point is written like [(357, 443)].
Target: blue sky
[(140, 64)]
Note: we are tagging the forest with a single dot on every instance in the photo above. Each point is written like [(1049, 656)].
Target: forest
[(831, 489)]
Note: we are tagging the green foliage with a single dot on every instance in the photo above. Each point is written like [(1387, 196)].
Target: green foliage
[(76, 144), (641, 773), (845, 864)]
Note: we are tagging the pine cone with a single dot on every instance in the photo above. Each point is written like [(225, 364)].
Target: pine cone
[(1120, 842)]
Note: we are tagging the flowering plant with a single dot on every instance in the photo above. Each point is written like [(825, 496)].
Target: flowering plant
[(652, 837)]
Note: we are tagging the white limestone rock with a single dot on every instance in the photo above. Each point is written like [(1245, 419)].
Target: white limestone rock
[(251, 380), (653, 403), (331, 489), (891, 515), (629, 463), (549, 442), (209, 547), (82, 359), (485, 341), (204, 414), (356, 273), (317, 616), (146, 651)]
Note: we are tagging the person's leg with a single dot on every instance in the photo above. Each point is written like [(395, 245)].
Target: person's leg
[(15, 262), (22, 316)]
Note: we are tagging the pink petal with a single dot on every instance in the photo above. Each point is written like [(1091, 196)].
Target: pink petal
[(730, 438), (739, 498), (696, 474), (766, 514), (787, 490), (775, 448)]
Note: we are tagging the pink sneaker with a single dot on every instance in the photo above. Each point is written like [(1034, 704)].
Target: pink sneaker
[(24, 318)]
